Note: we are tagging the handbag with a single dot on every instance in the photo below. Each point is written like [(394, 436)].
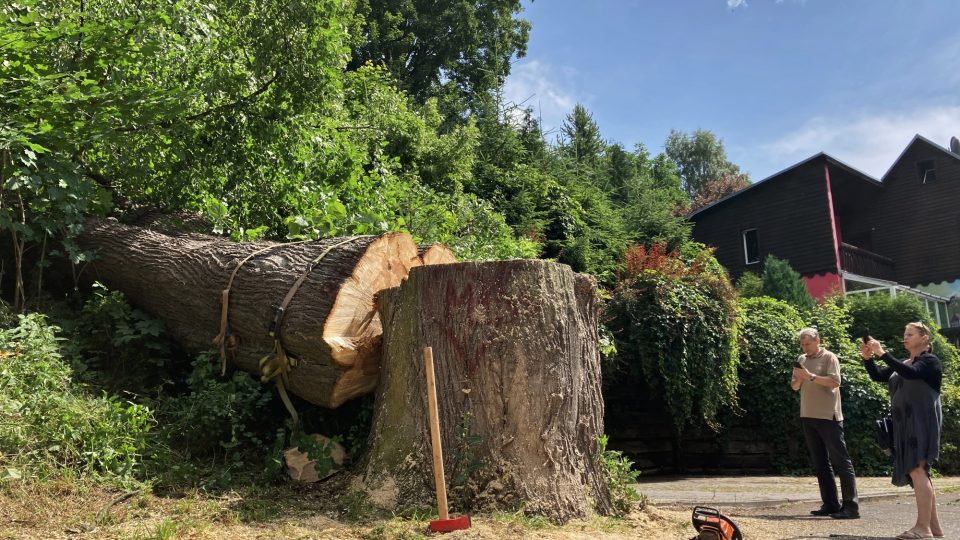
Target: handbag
[(885, 434)]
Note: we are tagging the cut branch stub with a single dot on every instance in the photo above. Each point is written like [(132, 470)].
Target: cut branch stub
[(518, 382), (330, 326)]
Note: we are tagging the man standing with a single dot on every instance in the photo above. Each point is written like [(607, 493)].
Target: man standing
[(817, 376)]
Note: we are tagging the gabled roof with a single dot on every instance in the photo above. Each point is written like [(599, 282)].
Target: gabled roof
[(913, 141), (827, 157)]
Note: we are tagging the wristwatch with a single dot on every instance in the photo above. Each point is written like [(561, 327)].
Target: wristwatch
[(813, 377)]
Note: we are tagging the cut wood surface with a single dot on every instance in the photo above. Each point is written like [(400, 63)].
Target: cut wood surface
[(331, 325), (300, 468), (436, 254), (518, 384)]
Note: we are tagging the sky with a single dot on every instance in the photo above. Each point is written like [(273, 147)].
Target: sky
[(777, 80)]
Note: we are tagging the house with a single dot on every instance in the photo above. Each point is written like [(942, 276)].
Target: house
[(845, 231)]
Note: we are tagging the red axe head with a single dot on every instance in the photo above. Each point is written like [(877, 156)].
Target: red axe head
[(452, 524)]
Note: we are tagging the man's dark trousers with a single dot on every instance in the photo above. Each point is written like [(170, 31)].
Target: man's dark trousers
[(826, 445)]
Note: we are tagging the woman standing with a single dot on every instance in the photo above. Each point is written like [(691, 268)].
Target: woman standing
[(915, 405)]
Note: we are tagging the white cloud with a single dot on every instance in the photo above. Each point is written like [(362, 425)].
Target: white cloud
[(869, 143), (548, 89), (734, 4)]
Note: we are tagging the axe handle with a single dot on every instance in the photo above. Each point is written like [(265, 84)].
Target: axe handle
[(435, 434)]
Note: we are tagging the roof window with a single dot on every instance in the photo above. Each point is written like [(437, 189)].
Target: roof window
[(926, 171)]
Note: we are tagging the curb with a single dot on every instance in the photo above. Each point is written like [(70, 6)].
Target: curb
[(767, 503)]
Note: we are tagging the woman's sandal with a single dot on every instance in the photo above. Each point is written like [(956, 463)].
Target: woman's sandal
[(912, 535)]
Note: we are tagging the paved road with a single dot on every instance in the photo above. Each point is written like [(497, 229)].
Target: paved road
[(772, 508), (879, 519)]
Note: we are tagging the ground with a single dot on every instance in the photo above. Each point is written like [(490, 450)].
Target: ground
[(65, 510)]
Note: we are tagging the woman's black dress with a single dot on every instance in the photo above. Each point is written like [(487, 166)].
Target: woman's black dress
[(915, 406)]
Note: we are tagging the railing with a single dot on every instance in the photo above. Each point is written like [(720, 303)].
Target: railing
[(865, 263)]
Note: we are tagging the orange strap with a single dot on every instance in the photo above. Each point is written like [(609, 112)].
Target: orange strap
[(279, 312), (221, 340), (276, 366)]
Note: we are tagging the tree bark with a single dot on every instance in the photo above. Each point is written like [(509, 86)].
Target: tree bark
[(518, 382), (331, 325)]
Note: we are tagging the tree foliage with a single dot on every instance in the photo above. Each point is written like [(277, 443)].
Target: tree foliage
[(713, 190), (700, 158), (781, 281), (240, 111), (460, 51)]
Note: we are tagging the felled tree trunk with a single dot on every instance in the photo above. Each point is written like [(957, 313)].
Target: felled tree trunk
[(331, 325), (518, 383)]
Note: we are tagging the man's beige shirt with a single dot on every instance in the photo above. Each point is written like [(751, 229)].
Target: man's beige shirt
[(819, 401)]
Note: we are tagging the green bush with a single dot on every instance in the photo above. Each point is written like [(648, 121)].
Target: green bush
[(950, 435), (49, 425), (749, 285), (674, 319), (219, 416), (884, 317), (113, 345), (620, 477), (215, 431), (863, 400), (768, 347)]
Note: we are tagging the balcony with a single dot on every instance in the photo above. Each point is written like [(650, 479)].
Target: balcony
[(865, 263)]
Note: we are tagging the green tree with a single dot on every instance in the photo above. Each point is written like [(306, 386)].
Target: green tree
[(74, 83), (508, 171), (655, 203), (781, 281), (242, 111), (580, 141), (461, 50), (619, 174), (700, 158)]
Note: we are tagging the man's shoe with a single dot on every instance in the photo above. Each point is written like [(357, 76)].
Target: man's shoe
[(824, 511), (846, 513)]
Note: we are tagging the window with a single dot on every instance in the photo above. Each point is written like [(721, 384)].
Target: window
[(751, 246), (926, 171)]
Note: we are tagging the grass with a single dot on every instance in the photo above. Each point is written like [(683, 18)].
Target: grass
[(41, 510), (166, 530), (533, 523)]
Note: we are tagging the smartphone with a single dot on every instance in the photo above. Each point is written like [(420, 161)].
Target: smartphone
[(796, 364), (866, 335)]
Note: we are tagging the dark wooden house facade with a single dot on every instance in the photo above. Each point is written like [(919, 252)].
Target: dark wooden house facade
[(845, 231)]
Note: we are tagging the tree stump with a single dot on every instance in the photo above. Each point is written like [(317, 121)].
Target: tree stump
[(518, 382), (331, 325)]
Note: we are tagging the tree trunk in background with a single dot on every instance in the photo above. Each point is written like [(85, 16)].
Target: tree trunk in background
[(518, 383), (331, 325)]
